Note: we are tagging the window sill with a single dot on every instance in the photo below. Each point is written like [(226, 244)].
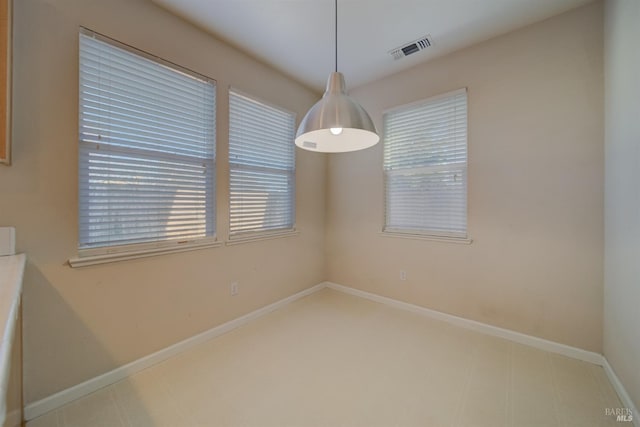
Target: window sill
[(260, 237), (85, 261), (443, 239)]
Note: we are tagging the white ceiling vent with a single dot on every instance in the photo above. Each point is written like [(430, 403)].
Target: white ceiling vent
[(412, 47)]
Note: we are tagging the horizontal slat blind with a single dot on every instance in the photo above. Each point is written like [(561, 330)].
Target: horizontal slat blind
[(262, 167), (425, 164), (147, 148)]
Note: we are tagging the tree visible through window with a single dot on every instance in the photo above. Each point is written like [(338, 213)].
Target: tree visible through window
[(147, 148), (261, 167), (425, 166)]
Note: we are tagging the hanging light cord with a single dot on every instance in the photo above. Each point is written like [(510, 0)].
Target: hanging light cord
[(336, 38)]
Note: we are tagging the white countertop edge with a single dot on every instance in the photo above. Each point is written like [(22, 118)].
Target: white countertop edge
[(11, 274)]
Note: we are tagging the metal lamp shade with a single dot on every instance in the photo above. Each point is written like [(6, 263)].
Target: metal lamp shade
[(336, 110)]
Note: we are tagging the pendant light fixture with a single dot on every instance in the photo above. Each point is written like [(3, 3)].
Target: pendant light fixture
[(336, 123)]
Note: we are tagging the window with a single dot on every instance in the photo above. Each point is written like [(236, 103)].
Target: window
[(425, 167), (261, 167), (147, 150)]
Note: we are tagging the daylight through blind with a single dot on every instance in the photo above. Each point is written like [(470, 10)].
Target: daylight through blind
[(425, 165), (262, 167), (147, 148)]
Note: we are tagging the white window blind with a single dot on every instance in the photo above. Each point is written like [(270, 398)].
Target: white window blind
[(425, 166), (147, 148), (262, 167)]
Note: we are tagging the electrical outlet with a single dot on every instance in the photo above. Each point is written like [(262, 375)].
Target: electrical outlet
[(403, 275), (234, 289)]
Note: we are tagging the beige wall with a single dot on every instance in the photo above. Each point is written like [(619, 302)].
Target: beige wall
[(79, 323), (535, 196), (535, 187), (622, 201)]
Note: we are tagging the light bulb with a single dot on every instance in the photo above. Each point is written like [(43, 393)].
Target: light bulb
[(336, 131)]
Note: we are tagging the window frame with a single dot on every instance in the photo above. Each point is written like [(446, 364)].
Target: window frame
[(257, 235), (110, 253), (425, 234)]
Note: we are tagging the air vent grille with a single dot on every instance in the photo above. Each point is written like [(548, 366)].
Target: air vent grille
[(412, 47)]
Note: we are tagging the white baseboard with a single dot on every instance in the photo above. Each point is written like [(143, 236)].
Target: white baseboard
[(622, 392), (539, 343), (507, 334), (40, 407)]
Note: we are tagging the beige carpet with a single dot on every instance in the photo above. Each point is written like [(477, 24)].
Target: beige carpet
[(332, 359)]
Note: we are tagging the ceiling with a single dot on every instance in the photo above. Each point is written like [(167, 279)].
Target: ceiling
[(297, 36)]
